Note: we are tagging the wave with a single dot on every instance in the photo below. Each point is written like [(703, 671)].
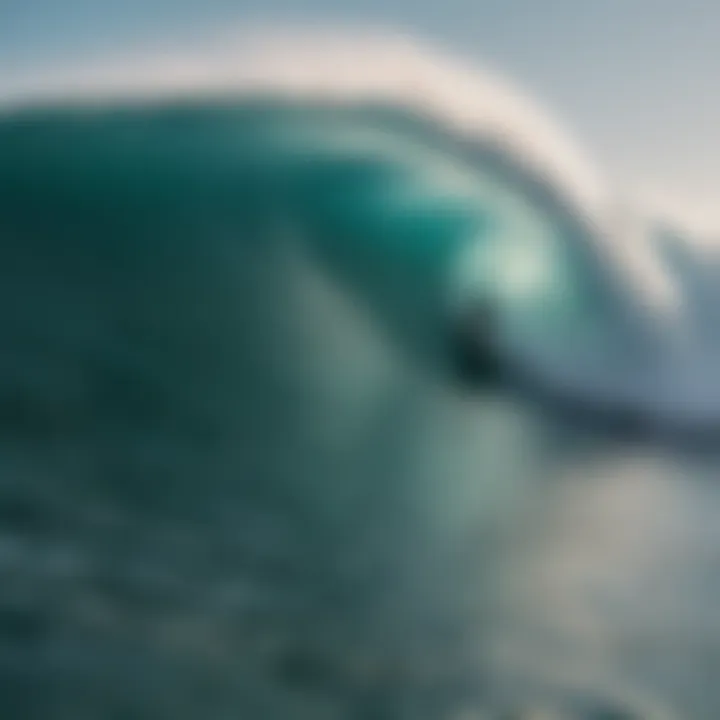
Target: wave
[(455, 167)]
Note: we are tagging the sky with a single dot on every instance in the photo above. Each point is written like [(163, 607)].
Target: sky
[(635, 80)]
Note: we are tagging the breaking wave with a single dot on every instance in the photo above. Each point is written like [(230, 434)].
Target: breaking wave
[(376, 139)]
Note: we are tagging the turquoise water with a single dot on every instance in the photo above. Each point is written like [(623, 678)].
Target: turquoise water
[(239, 477)]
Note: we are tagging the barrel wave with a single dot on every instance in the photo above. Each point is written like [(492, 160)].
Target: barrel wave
[(244, 471)]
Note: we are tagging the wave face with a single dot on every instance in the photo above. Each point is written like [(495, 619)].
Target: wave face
[(238, 474)]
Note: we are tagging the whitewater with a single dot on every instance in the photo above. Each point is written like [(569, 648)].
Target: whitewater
[(240, 475)]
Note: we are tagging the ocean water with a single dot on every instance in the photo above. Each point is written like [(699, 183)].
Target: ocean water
[(243, 473)]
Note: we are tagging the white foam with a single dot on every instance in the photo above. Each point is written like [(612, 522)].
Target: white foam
[(342, 66)]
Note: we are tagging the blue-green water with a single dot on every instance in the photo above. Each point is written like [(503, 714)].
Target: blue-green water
[(239, 477)]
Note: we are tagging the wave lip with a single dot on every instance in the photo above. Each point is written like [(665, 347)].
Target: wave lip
[(343, 66)]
